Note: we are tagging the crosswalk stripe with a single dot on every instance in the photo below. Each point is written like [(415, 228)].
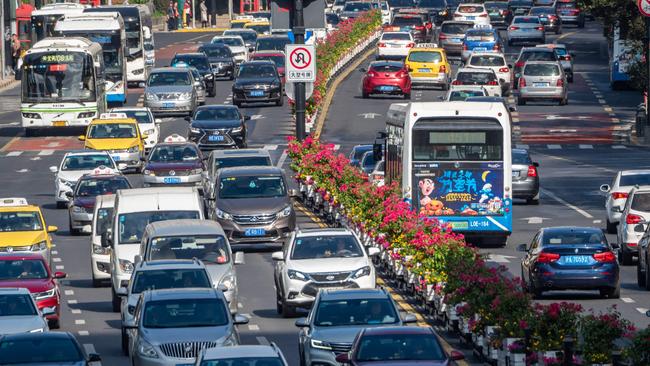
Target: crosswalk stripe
[(554, 147), (14, 153), (586, 146), (46, 152)]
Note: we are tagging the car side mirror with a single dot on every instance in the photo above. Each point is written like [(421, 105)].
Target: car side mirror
[(536, 164), (277, 256), (188, 118), (409, 318), (19, 74), (343, 358), (572, 54), (456, 355), (614, 244), (141, 84), (302, 323), (522, 247), (240, 319), (59, 275), (137, 259), (94, 357), (81, 138), (373, 251), (122, 292), (47, 311), (106, 240), (247, 118), (239, 258), (640, 228), (605, 188), (69, 194), (54, 169), (510, 66), (52, 229)]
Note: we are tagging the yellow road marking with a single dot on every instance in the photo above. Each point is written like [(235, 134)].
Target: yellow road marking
[(310, 214), (565, 35), (8, 144)]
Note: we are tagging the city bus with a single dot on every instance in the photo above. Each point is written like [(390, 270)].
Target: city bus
[(44, 19), (453, 163), (621, 56), (147, 36), (62, 83), (132, 15), (107, 29)]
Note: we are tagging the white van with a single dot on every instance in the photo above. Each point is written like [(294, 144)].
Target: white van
[(134, 210), (99, 255)]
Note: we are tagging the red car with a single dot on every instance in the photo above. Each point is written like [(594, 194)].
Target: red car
[(32, 272), (387, 77), (277, 57)]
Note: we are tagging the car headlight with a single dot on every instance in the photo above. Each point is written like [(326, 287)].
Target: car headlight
[(229, 281), (285, 211), (237, 129), (126, 266), (361, 272), (45, 294), (195, 130), (68, 183), (99, 250), (149, 172), (297, 275), (320, 344), (185, 96), (150, 132), (78, 209), (197, 171), (151, 96), (223, 215), (37, 330), (86, 115), (146, 350), (133, 149), (31, 115), (39, 246), (209, 76), (231, 340)]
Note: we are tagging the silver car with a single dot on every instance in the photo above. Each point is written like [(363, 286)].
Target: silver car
[(543, 80), (526, 29), (564, 57), (199, 84), (174, 325), (170, 91), (20, 313)]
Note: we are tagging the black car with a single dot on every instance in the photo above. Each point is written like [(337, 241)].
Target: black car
[(520, 7), (272, 43), (217, 127), (332, 19), (257, 81), (499, 13), (438, 10), (49, 348), (396, 5), (220, 58), (353, 9), (643, 264), (548, 17), (200, 61)]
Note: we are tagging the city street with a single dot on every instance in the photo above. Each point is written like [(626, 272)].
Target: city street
[(579, 147)]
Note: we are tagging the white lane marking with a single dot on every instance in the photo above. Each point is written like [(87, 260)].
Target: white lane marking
[(72, 302), (23, 170), (522, 146), (80, 322), (515, 119), (627, 300), (35, 158), (598, 221), (615, 120), (53, 144), (619, 147), (68, 292), (270, 147), (337, 147), (642, 310), (60, 267), (84, 333), (54, 252), (535, 220), (45, 152), (75, 311), (56, 260), (565, 203), (239, 305), (257, 116), (14, 153), (602, 101), (263, 341), (608, 109), (553, 147), (282, 159), (497, 258), (253, 327), (247, 315), (586, 146)]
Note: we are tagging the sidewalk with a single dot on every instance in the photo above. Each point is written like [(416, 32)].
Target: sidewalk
[(8, 83)]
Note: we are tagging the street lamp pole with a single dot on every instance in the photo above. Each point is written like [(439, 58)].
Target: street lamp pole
[(299, 36)]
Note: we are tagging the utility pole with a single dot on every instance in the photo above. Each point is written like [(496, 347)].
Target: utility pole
[(299, 36)]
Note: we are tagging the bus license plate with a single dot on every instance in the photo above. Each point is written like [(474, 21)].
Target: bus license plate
[(169, 105), (254, 232), (58, 123), (216, 138), (171, 180), (459, 225), (576, 259)]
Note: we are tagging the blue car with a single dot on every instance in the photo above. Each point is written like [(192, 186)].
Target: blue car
[(481, 40), (357, 153), (570, 258)]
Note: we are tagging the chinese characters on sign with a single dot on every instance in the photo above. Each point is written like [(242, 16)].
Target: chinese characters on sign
[(301, 63), (300, 75)]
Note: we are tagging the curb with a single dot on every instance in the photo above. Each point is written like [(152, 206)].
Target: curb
[(8, 83)]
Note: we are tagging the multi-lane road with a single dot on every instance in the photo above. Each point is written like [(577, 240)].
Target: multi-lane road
[(578, 147)]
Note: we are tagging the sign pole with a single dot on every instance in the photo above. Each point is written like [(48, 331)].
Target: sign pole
[(647, 61), (299, 34)]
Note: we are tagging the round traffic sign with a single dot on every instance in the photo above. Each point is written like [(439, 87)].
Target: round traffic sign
[(644, 7), (300, 58)]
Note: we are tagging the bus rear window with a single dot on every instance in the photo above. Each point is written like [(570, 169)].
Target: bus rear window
[(434, 145)]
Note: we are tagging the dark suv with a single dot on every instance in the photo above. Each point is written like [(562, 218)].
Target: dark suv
[(411, 23), (201, 62), (531, 54), (218, 127), (438, 10), (257, 81), (499, 13), (220, 58)]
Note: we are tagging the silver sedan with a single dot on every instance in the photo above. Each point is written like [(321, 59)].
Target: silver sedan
[(543, 80), (526, 29)]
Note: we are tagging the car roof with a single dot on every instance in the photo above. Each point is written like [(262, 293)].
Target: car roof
[(398, 330), (135, 109), (181, 293), (536, 49), (347, 294), (635, 172), (565, 229), (39, 336), (240, 153), (85, 152), (304, 233), (242, 351), (250, 170), (259, 62), (190, 54), (476, 70), (267, 53), (487, 54), (14, 291), (170, 69), (218, 106), (162, 264), (102, 176), (386, 63), (519, 151), (228, 32), (184, 227), (363, 146)]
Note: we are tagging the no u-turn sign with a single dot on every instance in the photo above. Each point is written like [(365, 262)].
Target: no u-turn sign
[(301, 63), (644, 7)]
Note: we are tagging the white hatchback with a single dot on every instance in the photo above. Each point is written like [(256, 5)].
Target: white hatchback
[(618, 192), (495, 62), (395, 45), (472, 12), (634, 221)]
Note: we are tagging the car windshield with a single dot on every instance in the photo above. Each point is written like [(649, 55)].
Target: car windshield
[(132, 225), (246, 36), (526, 20), (399, 347), (20, 221), (169, 278), (432, 4), (230, 41), (476, 78), (104, 220), (220, 113), (560, 51), (496, 6), (173, 154), (470, 9), (382, 67), (537, 56), (336, 313), (272, 44), (356, 6), (480, 35), (425, 56), (400, 21), (209, 249), (86, 162), (570, 237), (169, 78), (238, 161), (40, 350), (521, 158), (641, 202), (487, 61), (252, 71), (216, 52), (545, 10), (16, 305), (461, 95), (112, 131), (396, 37), (358, 152), (277, 60), (259, 28), (140, 116), (244, 361), (455, 28), (185, 313), (368, 160), (634, 179), (566, 4), (252, 187), (200, 63), (98, 187), (22, 269), (401, 3), (541, 70), (338, 246)]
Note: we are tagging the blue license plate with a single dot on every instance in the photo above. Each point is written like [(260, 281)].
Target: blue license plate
[(455, 39), (386, 88), (470, 18), (216, 138), (115, 157), (424, 70), (576, 259), (254, 232), (540, 85), (169, 105), (256, 93), (479, 49), (171, 180)]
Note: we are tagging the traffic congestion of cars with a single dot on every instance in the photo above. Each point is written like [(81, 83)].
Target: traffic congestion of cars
[(169, 250)]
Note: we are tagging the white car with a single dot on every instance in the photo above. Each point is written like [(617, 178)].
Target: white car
[(316, 259), (495, 62), (20, 314), (149, 125), (618, 192), (386, 12), (237, 47), (99, 256), (634, 220), (472, 12), (458, 93), (75, 164), (377, 175), (483, 77), (395, 45)]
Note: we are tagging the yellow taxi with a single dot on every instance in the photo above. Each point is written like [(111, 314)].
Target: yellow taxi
[(428, 66), (119, 135), (239, 23), (259, 25), (23, 229)]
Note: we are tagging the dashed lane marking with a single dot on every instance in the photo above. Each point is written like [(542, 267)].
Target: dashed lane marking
[(619, 147), (14, 153), (627, 300), (79, 322), (72, 302), (522, 146), (253, 327), (75, 311), (554, 147), (46, 152), (54, 252), (598, 221), (602, 101), (60, 267), (309, 214), (56, 260), (586, 146), (263, 341), (270, 147), (566, 204), (642, 310), (83, 333), (282, 159), (68, 292)]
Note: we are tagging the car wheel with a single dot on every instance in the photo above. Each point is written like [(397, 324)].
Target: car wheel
[(54, 323), (521, 101), (407, 96), (640, 276), (647, 276), (444, 87), (125, 342), (61, 205), (115, 301), (570, 79), (625, 258), (611, 293), (562, 101), (532, 201), (97, 283), (534, 291), (278, 302), (280, 102), (237, 103), (611, 227), (288, 311)]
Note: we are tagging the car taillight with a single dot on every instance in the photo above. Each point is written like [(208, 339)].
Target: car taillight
[(552, 16), (442, 69), (619, 195), (429, 26), (540, 28), (458, 15), (381, 44), (410, 45), (492, 82), (605, 257), (547, 257), (442, 36), (560, 82), (520, 64), (632, 219), (513, 28), (575, 12), (419, 27), (522, 82), (496, 47), (504, 69), (532, 171), (483, 15), (566, 58), (456, 82), (402, 74), (465, 47), (371, 74)]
